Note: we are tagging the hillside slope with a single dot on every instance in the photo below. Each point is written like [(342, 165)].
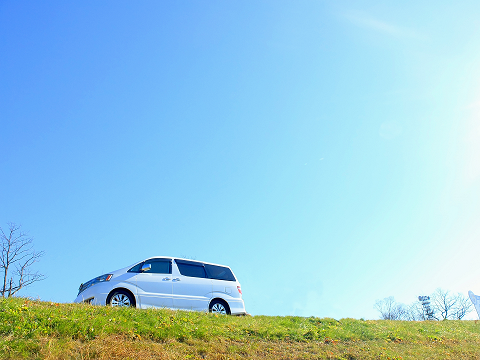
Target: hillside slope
[(44, 330)]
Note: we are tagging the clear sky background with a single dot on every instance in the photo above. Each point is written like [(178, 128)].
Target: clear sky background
[(328, 151)]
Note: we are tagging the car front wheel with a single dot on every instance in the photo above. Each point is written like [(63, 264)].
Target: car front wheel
[(219, 307), (121, 298)]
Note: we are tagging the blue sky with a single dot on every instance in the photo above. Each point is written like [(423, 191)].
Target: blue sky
[(328, 151)]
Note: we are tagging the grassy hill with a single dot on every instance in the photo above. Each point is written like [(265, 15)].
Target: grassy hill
[(44, 330)]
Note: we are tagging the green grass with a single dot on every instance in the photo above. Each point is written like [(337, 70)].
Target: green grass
[(34, 329)]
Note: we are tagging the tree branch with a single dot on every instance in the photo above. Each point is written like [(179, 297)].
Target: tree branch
[(16, 250)]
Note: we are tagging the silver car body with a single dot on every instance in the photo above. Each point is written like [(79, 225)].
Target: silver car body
[(172, 290)]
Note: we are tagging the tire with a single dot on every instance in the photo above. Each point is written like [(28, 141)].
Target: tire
[(219, 307), (121, 298)]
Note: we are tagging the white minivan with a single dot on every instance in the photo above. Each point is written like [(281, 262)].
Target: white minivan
[(166, 282)]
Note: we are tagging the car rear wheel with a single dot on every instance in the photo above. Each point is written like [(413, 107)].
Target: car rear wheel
[(121, 298), (219, 307)]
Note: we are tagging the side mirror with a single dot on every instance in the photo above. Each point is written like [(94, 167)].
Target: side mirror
[(146, 267)]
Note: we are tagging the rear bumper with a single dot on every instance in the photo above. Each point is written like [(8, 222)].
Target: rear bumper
[(237, 307)]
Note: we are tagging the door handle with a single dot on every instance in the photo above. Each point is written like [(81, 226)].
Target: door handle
[(177, 279), (165, 279)]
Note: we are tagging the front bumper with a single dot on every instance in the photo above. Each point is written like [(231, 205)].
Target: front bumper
[(94, 295)]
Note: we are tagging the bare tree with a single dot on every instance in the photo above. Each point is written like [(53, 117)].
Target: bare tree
[(16, 257), (463, 306), (421, 310), (444, 303), (448, 305), (391, 310), (416, 312)]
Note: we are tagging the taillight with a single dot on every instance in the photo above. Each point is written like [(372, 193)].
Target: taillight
[(239, 290)]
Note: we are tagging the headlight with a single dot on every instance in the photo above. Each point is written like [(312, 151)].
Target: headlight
[(98, 279)]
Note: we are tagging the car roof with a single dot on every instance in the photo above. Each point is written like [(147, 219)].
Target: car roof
[(179, 258)]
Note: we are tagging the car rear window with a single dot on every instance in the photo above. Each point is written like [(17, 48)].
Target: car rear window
[(219, 272), (190, 268)]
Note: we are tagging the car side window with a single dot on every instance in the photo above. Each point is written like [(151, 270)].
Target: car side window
[(219, 272), (136, 268), (190, 268), (159, 266)]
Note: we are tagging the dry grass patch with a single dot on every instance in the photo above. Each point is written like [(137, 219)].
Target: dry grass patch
[(116, 347)]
